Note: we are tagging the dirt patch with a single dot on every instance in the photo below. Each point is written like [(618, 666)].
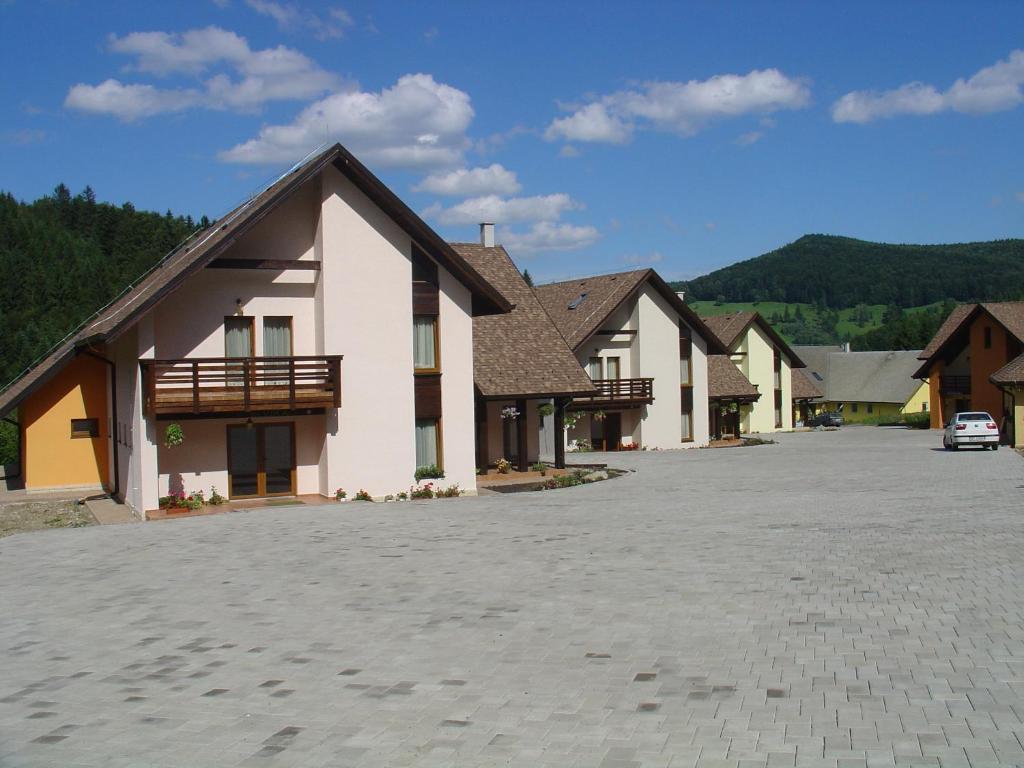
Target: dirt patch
[(38, 515)]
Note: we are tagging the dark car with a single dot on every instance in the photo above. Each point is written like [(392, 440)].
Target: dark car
[(826, 419)]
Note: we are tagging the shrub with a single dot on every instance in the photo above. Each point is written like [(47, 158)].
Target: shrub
[(402, 496), (450, 492), (504, 466), (362, 495), (541, 467), (340, 494), (195, 500), (578, 477), (426, 492), (921, 420), (173, 435), (215, 498), (431, 471)]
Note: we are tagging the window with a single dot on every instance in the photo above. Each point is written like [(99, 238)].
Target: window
[(871, 407), (577, 301), (238, 337), (423, 269), (924, 407), (778, 408), (613, 367), (428, 449), (685, 356), (853, 407), (277, 342), (686, 415), (988, 337), (778, 369), (424, 343), (595, 367), (85, 428)]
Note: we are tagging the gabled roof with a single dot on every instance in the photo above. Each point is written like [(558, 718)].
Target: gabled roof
[(521, 353), (727, 382), (729, 328), (1011, 373), (580, 307), (865, 377), (200, 249), (1009, 314), (802, 387)]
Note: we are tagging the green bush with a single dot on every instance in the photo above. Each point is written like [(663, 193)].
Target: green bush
[(431, 471), (921, 420)]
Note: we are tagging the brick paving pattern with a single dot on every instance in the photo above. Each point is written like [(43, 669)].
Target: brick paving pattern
[(847, 598)]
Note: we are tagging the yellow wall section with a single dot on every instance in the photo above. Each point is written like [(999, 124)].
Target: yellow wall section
[(920, 398), (52, 458)]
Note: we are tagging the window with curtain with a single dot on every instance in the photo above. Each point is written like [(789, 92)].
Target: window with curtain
[(424, 343), (426, 443), (595, 367), (237, 343), (686, 415), (613, 367), (277, 342)]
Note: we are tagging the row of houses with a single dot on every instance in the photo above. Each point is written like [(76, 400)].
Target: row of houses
[(322, 336)]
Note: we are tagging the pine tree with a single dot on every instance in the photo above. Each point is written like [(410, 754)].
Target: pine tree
[(527, 277)]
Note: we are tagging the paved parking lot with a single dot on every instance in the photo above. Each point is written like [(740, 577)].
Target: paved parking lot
[(845, 598)]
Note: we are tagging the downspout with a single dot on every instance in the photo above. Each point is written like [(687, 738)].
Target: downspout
[(21, 450), (113, 420)]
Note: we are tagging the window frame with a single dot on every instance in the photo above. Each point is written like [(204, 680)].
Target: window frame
[(85, 428), (438, 440), (437, 345)]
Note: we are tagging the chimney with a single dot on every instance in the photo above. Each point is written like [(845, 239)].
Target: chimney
[(681, 295), (487, 235)]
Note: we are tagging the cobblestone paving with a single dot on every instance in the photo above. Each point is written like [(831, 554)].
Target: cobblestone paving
[(847, 598)]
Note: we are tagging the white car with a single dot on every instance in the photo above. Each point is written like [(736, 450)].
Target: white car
[(971, 428)]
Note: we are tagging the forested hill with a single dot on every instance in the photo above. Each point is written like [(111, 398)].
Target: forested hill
[(840, 272), (64, 257)]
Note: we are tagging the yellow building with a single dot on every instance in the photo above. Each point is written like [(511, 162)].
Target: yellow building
[(867, 387)]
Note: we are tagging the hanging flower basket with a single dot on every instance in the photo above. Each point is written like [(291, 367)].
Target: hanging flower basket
[(509, 412)]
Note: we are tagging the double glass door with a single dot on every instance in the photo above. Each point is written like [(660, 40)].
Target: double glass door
[(261, 460)]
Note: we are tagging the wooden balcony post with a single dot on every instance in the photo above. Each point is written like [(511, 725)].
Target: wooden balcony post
[(524, 462), (291, 382), (150, 383), (195, 386), (246, 374), (560, 405)]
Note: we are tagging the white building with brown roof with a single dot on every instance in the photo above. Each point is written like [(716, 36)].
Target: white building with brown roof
[(521, 364), (317, 337), (646, 353)]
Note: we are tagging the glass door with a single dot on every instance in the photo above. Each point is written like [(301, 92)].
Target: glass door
[(277, 342), (238, 342), (261, 460)]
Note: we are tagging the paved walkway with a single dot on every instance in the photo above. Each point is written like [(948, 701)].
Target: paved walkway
[(842, 599)]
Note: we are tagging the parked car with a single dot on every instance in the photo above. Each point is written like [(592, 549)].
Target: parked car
[(971, 428), (826, 419)]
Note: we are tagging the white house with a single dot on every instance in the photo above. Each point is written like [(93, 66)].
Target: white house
[(317, 337), (646, 353)]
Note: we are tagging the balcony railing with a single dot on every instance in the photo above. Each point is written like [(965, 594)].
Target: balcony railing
[(210, 385), (955, 385), (618, 392)]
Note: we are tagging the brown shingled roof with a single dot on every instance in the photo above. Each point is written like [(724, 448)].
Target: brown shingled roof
[(728, 328), (802, 387), (1011, 373), (601, 296), (196, 252), (1009, 314), (727, 382), (521, 353)]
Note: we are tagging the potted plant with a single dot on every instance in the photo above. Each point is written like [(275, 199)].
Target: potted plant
[(173, 436)]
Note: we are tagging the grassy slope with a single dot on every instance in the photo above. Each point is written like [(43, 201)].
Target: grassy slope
[(769, 308)]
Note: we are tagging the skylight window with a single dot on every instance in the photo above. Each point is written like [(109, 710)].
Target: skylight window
[(577, 301), (817, 375)]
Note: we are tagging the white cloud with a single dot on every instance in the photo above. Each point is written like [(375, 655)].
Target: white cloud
[(680, 107), (290, 17), (590, 123), (129, 102), (751, 137), (643, 259), (568, 150), (252, 77), (502, 210), (415, 123), (548, 236), (464, 182), (992, 89)]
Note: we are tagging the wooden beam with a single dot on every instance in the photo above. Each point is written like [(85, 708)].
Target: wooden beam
[(274, 264), (521, 420)]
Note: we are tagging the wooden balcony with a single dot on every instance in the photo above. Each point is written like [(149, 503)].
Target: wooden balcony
[(224, 385), (622, 393), (955, 385)]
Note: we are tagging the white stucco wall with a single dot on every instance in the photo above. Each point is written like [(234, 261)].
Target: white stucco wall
[(759, 367), (699, 374), (458, 423), (658, 347)]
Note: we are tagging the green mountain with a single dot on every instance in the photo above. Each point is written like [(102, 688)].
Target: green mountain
[(841, 272), (65, 257)]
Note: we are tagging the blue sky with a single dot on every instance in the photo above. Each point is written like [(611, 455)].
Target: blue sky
[(599, 136)]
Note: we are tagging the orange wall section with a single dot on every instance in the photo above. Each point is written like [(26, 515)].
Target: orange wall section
[(935, 394), (50, 456), (986, 396)]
